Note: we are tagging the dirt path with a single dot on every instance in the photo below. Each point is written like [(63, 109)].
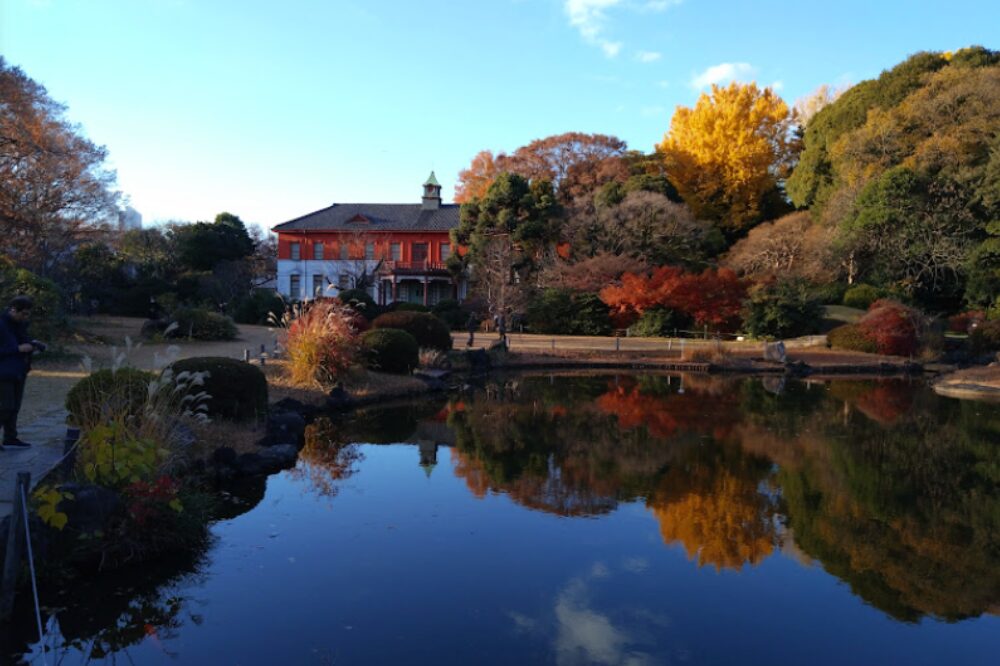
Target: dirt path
[(51, 380)]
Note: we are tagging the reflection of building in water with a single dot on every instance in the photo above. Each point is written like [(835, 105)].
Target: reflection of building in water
[(428, 455)]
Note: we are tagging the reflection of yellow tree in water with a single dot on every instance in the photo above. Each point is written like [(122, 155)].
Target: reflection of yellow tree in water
[(325, 460), (717, 513)]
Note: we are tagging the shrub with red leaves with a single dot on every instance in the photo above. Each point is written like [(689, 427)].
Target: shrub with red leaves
[(893, 327), (149, 501), (964, 321)]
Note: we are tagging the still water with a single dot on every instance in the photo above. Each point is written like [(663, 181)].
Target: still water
[(629, 519)]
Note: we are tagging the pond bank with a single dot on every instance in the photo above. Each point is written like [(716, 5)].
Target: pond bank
[(971, 384)]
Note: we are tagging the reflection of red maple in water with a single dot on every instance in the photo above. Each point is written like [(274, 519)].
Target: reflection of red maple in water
[(886, 402), (665, 416)]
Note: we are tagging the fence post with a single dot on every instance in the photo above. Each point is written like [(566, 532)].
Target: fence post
[(15, 545), (246, 355), (618, 344)]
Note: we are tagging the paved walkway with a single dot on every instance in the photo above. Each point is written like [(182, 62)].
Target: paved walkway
[(46, 434)]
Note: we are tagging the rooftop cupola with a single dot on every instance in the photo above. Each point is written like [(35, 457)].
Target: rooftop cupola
[(432, 193)]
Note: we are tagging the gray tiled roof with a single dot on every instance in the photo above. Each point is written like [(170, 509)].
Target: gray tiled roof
[(381, 217)]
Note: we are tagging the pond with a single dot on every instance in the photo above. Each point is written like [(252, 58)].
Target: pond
[(589, 519)]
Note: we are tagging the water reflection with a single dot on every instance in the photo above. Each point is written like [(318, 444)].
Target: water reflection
[(882, 484), (889, 487)]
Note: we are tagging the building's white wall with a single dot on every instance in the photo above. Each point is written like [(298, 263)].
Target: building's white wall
[(331, 269)]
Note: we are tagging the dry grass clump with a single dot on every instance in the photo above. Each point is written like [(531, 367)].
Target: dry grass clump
[(714, 352), (321, 344)]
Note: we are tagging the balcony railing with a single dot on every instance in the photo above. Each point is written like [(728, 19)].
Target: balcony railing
[(414, 267)]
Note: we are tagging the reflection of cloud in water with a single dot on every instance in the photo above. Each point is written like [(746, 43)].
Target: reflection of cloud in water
[(583, 635), (635, 564)]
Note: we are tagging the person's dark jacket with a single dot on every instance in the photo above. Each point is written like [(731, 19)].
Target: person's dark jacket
[(14, 364)]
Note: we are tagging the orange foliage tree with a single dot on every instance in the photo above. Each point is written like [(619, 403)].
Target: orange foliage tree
[(710, 298), (575, 162)]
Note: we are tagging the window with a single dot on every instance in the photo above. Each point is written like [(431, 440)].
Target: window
[(396, 251), (343, 252), (318, 251), (294, 282), (296, 250), (369, 250), (343, 281), (445, 251), (317, 285), (419, 252)]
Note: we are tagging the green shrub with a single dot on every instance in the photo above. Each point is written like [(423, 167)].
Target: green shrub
[(566, 312), (260, 308), (985, 337), (237, 390), (861, 296), (784, 309), (657, 322), (451, 313), (852, 338), (390, 350), (360, 301), (829, 294), (123, 390), (426, 329), (202, 324)]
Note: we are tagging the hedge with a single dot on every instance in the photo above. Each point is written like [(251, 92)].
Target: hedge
[(112, 391), (851, 337), (201, 324), (861, 296), (428, 330), (390, 350), (237, 390)]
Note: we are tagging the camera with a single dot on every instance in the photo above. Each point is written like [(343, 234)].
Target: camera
[(38, 345)]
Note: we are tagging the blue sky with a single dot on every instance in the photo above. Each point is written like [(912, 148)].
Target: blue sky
[(272, 110)]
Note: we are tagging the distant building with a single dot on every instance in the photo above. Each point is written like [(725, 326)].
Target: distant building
[(396, 252), (129, 219)]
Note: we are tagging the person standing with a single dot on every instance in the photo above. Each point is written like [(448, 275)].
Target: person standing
[(471, 325), (15, 361)]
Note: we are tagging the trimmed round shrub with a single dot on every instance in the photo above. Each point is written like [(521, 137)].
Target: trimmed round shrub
[(360, 301), (830, 294), (426, 329), (390, 350), (108, 391), (852, 338), (985, 337), (861, 296), (259, 308), (201, 324), (964, 322), (657, 322), (237, 390), (895, 328)]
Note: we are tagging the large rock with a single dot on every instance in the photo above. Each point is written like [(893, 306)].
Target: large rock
[(268, 461), (292, 405), (285, 428), (339, 400)]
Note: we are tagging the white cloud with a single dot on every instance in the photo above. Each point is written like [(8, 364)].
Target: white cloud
[(723, 73), (777, 85), (590, 18), (648, 56)]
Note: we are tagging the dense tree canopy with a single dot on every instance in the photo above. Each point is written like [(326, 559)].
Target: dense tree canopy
[(54, 187)]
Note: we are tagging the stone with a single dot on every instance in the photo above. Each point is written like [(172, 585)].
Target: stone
[(224, 456), (339, 399), (296, 406), (775, 352), (269, 460), (286, 428)]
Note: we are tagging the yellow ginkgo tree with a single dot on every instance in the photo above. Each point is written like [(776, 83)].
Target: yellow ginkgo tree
[(728, 155)]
